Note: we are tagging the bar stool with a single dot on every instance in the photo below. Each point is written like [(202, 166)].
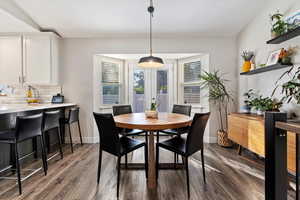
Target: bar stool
[(51, 122), (73, 117), (27, 127)]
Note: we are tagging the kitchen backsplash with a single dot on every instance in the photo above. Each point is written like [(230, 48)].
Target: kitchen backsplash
[(17, 94)]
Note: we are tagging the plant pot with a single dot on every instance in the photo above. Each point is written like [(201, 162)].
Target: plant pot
[(246, 66), (245, 109), (260, 112), (286, 60), (151, 114), (274, 34), (223, 140)]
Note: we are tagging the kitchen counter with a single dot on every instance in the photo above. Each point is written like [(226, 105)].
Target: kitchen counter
[(14, 108)]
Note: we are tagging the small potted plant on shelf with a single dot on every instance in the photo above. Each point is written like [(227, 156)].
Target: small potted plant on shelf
[(279, 26), (220, 96), (285, 56), (247, 56), (152, 113)]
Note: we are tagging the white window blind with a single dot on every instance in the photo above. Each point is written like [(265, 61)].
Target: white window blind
[(191, 84), (110, 83)]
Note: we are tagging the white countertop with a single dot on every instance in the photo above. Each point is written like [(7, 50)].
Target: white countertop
[(13, 108)]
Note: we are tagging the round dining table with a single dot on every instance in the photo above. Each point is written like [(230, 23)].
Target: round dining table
[(151, 125)]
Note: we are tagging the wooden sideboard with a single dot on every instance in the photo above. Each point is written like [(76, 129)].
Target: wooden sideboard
[(248, 131)]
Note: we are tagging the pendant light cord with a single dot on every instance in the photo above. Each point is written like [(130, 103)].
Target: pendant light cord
[(151, 10)]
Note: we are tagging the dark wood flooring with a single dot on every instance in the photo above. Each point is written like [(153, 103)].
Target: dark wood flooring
[(74, 178)]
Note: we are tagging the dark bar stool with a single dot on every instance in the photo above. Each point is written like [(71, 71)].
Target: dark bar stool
[(73, 117), (51, 122), (27, 127)]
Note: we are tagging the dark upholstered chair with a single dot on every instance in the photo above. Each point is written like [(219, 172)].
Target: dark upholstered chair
[(179, 109), (51, 122), (73, 117), (189, 146), (125, 109), (110, 142), (27, 127)]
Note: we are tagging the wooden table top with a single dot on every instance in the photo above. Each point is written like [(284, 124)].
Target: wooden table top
[(164, 121)]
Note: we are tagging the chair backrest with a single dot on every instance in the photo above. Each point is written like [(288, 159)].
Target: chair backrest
[(182, 109), (73, 115), (28, 126), (108, 133), (121, 109), (51, 120), (195, 135)]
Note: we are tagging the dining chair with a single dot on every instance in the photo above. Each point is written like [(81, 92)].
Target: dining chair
[(110, 142), (187, 147), (121, 110), (178, 109), (27, 127)]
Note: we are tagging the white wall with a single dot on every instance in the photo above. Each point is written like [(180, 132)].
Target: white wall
[(254, 38), (77, 66)]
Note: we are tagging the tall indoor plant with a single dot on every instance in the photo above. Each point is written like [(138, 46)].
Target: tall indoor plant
[(220, 96)]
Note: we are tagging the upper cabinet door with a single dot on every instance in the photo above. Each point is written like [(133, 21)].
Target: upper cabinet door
[(10, 59), (37, 59)]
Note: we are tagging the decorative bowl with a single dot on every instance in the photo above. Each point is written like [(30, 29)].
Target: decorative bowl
[(151, 114)]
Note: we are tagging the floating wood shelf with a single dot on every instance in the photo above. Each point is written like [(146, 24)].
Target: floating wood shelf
[(284, 37), (265, 69)]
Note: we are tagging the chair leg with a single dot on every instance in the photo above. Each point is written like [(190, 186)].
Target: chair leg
[(71, 141), (157, 137), (99, 165), (60, 143), (34, 147), (146, 160), (175, 160), (126, 161), (18, 168), (44, 157), (157, 160), (80, 133), (12, 158), (187, 175), (203, 165), (118, 178)]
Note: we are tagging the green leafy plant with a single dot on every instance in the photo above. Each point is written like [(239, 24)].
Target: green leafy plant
[(218, 94), (279, 26), (154, 105), (291, 88), (249, 95)]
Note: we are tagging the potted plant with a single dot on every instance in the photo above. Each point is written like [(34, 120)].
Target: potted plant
[(220, 96), (152, 113), (247, 56), (279, 26), (249, 95), (285, 56)]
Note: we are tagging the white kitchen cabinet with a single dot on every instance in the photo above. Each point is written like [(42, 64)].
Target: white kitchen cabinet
[(10, 59), (40, 59), (30, 59)]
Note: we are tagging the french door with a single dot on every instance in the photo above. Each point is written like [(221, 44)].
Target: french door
[(148, 84)]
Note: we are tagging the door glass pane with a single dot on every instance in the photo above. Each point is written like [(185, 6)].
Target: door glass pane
[(191, 94), (162, 90), (138, 91), (192, 71)]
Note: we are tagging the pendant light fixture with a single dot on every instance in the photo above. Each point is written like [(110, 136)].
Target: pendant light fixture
[(151, 61)]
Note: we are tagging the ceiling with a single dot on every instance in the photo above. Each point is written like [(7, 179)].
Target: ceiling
[(164, 56), (10, 24), (86, 18)]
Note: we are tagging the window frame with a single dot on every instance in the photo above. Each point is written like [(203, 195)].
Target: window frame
[(181, 84), (120, 64)]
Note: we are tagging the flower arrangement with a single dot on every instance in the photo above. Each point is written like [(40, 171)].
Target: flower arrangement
[(285, 56), (247, 55)]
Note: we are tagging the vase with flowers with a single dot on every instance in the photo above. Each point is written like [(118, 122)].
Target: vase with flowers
[(152, 113), (247, 56)]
